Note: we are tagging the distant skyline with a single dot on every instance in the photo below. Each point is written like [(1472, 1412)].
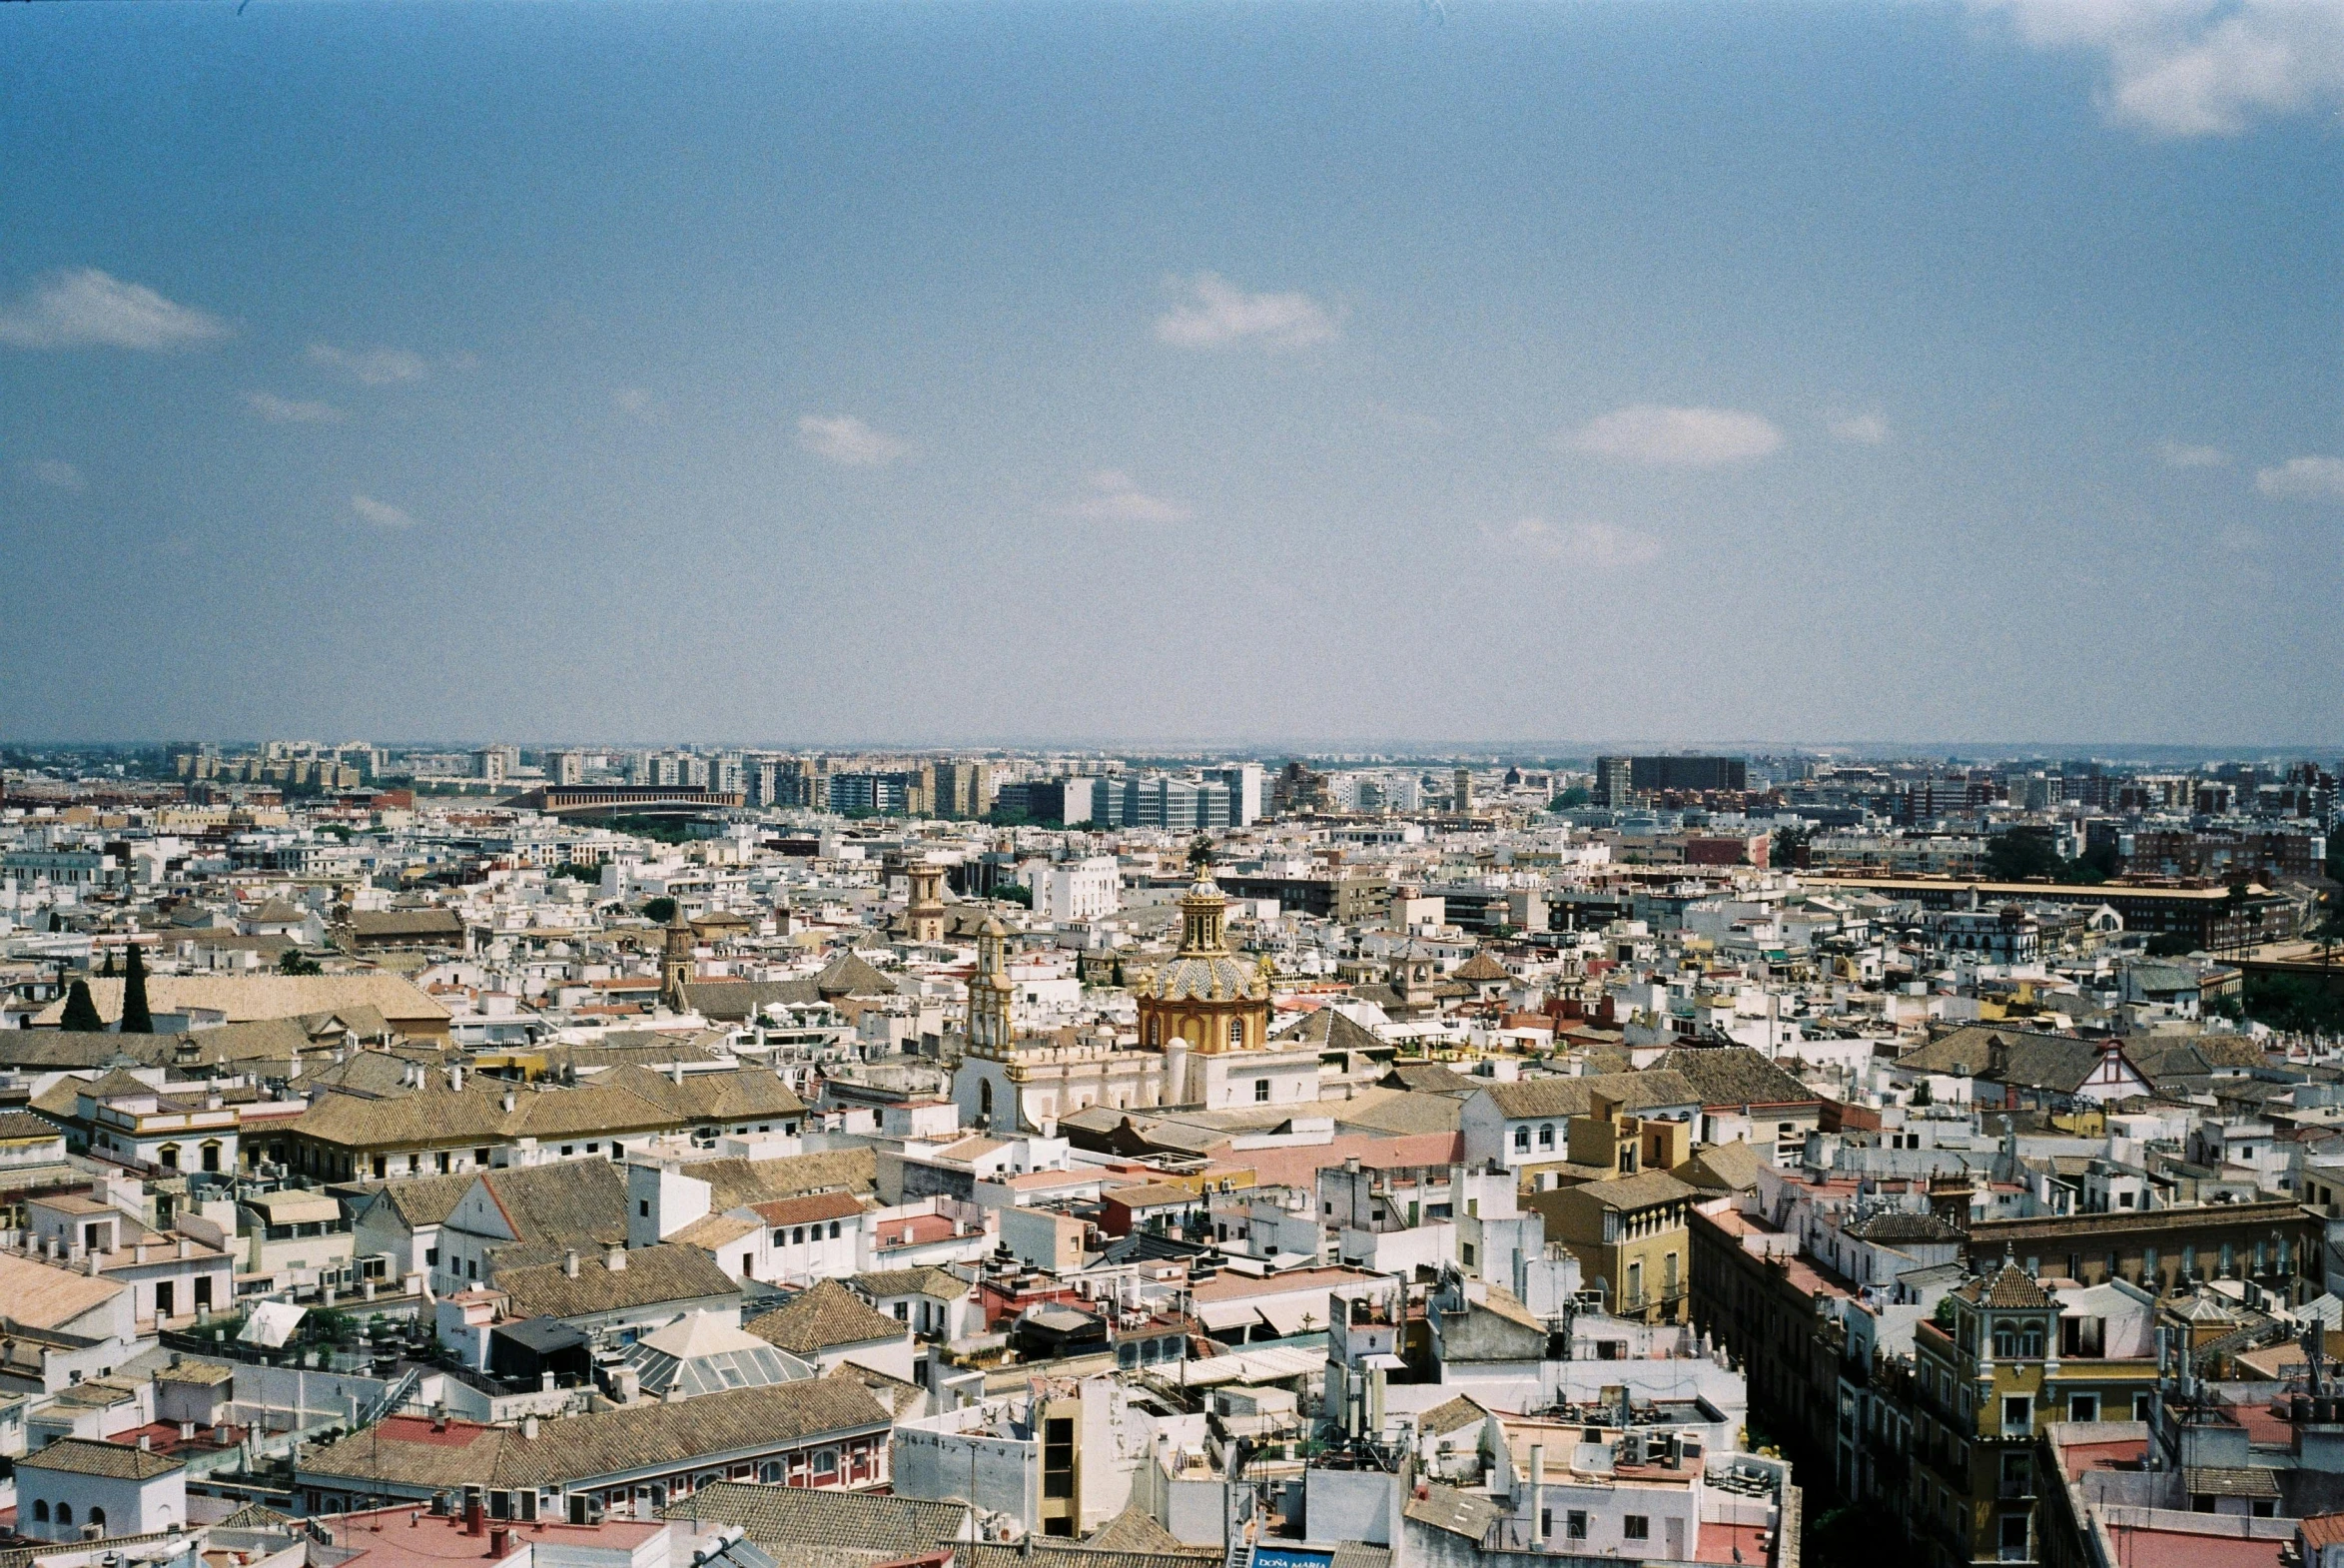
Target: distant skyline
[(1285, 373)]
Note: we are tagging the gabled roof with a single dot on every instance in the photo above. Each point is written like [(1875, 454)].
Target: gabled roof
[(653, 1276), (823, 1318), (868, 1527), (103, 1461), (1737, 1075), (407, 1451), (1568, 1097)]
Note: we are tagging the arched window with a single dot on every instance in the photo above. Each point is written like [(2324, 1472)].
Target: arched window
[(1522, 1139), (98, 1517), (41, 1511), (1546, 1134), (168, 1157), (211, 1155), (65, 1513), (984, 1094), (2005, 1344)]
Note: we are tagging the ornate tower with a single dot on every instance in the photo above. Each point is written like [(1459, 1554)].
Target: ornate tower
[(924, 916), (1207, 1000), (675, 961), (991, 1028)]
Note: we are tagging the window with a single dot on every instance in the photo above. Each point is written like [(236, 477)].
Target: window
[(65, 1513), (168, 1157), (1575, 1524), (834, 1230), (903, 1312), (568, 1149), (1546, 1134), (1636, 1527), (1522, 1140), (2014, 1536), (481, 1157), (2083, 1407), (1260, 1090), (2143, 1405), (2123, 1200), (1057, 1457), (644, 1208), (2082, 1337), (41, 1511), (2018, 1410)]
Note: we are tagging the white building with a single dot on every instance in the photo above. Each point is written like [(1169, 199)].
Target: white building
[(76, 1483), (1078, 889)]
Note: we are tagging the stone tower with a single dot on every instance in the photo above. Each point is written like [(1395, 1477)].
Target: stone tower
[(675, 961), (992, 1029), (924, 916)]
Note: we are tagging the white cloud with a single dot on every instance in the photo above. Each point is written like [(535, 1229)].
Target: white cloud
[(1593, 544), (2196, 67), (381, 514), (57, 474), (1115, 498), (372, 366), (87, 308), (1677, 438), (1214, 313), (2304, 480), (2180, 455), (291, 411), (842, 437), (1868, 430)]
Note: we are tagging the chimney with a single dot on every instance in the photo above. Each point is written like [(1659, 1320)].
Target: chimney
[(186, 1248), (456, 1077), (615, 1260), (476, 1513), (530, 1425), (569, 1264), (511, 1102), (500, 1540), (146, 1443), (1537, 1471), (138, 1252), (90, 1265)]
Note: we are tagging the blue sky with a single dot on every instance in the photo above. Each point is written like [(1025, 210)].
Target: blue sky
[(1139, 372)]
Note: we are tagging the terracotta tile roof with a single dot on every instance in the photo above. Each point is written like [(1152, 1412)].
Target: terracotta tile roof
[(868, 1527), (823, 1318), (108, 1461), (652, 1274)]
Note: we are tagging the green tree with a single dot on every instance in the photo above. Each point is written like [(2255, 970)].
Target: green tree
[(2016, 854), (81, 1012), (1570, 799), (660, 910), (108, 971), (136, 1019), (295, 962), (577, 872)]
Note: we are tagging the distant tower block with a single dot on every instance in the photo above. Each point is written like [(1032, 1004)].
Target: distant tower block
[(923, 917), (1463, 795)]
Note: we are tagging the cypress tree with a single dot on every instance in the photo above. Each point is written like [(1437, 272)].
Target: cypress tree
[(136, 1020), (108, 972), (81, 1014)]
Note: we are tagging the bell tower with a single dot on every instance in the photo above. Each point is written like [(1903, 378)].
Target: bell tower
[(924, 916), (990, 1025), (675, 961)]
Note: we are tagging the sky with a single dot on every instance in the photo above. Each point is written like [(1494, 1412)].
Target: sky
[(1129, 372)]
